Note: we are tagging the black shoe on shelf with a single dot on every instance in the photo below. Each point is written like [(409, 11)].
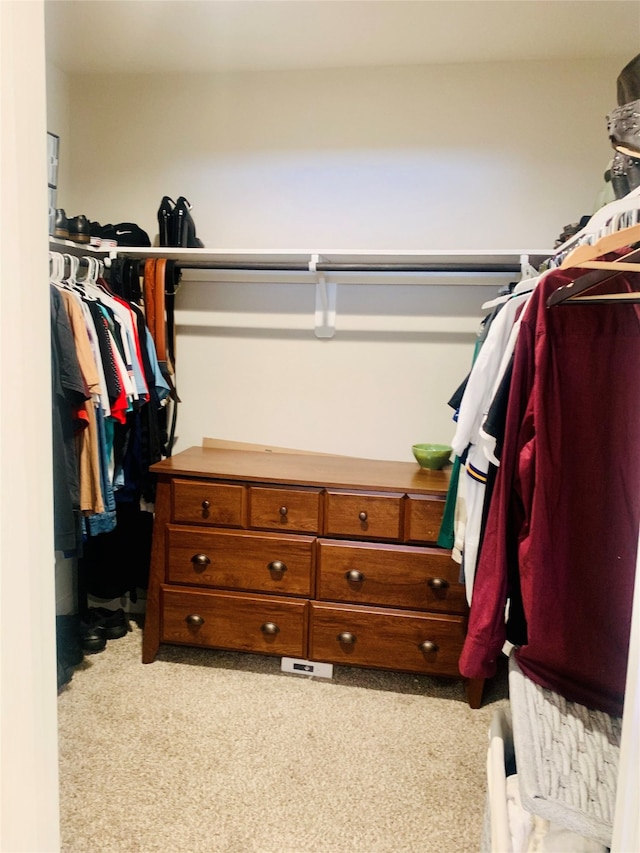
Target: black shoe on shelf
[(166, 222), (61, 225), (114, 623), (79, 229), (185, 227)]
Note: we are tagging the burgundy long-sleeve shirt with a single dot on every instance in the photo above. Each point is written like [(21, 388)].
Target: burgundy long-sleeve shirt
[(565, 512)]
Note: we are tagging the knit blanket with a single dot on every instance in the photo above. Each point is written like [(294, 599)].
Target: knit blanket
[(567, 758)]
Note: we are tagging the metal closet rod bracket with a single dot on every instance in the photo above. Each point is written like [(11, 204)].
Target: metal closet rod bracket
[(326, 297)]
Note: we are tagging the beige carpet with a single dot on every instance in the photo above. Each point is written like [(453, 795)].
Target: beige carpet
[(218, 752)]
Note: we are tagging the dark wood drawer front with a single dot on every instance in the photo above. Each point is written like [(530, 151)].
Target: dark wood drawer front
[(295, 510), (389, 575), (363, 516), (267, 624), (386, 639), (423, 517), (209, 503), (261, 562)]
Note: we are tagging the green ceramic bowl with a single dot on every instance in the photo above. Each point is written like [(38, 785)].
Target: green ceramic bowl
[(432, 456)]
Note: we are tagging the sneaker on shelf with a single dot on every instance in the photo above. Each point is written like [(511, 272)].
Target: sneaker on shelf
[(102, 236), (108, 237), (95, 238)]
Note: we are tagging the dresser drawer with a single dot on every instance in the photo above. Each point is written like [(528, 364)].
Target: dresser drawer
[(423, 517), (389, 575), (236, 559), (205, 502), (387, 639), (267, 624), (284, 509), (362, 515)]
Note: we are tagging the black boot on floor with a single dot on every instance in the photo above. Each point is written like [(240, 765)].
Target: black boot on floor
[(92, 637), (114, 622), (68, 647)]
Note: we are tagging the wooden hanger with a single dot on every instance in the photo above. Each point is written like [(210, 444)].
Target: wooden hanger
[(582, 255), (602, 272), (601, 220)]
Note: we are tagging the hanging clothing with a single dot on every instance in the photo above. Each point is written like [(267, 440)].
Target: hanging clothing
[(87, 442), (118, 542), (468, 443), (562, 527), (108, 431), (451, 534), (69, 394)]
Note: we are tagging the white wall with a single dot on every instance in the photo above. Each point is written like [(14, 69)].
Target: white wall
[(498, 155), (59, 122), (368, 393), (440, 157)]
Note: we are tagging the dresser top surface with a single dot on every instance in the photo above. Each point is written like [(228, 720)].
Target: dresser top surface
[(341, 472)]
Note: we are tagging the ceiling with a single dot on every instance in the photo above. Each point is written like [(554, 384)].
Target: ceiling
[(152, 36)]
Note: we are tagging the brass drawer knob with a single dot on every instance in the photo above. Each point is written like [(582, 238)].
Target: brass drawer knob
[(354, 576), (205, 505), (193, 620), (347, 638), (200, 561), (438, 583), (283, 511), (269, 628), (428, 647), (277, 566), (362, 516)]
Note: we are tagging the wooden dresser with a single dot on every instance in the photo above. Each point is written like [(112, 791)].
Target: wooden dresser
[(324, 558)]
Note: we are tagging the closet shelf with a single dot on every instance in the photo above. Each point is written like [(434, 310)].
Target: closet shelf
[(349, 262), (68, 247)]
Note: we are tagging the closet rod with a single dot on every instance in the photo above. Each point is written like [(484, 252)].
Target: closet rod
[(337, 267)]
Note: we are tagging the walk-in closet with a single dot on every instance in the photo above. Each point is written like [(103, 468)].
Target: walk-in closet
[(283, 242)]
